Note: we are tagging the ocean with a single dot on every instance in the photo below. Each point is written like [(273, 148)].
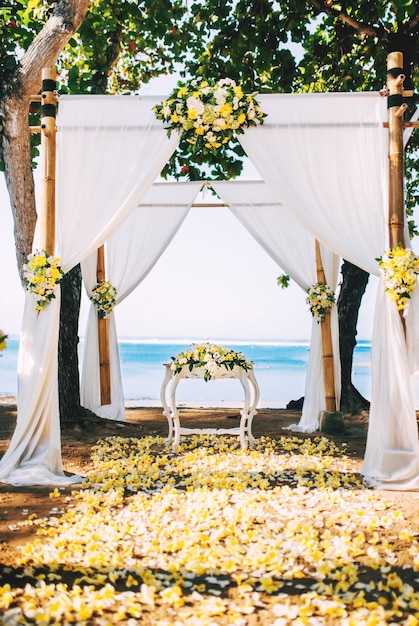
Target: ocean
[(279, 366)]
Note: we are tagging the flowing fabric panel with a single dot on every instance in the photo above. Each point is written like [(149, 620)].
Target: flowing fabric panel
[(110, 149), (292, 246), (123, 150), (131, 252), (326, 156)]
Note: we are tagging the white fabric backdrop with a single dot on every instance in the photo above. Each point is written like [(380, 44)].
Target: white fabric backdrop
[(326, 157), (131, 252), (110, 149), (290, 245)]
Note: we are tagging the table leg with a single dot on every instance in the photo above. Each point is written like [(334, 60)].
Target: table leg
[(166, 409)]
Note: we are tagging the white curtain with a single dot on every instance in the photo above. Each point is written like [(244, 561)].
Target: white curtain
[(131, 252), (110, 149), (326, 157), (292, 246)]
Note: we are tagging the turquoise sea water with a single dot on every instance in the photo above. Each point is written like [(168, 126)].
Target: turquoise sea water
[(279, 366)]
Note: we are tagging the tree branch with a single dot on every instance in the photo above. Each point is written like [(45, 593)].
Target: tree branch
[(412, 25), (372, 31), (50, 41)]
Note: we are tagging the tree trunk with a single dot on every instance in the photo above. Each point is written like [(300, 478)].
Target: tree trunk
[(354, 283), (68, 369)]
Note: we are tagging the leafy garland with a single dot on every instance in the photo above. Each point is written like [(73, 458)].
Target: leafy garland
[(42, 273), (399, 268), (210, 357), (209, 113), (3, 344), (104, 297), (320, 298)]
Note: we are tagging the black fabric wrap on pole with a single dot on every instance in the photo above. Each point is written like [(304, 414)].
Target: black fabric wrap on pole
[(395, 71), (48, 110), (395, 100), (49, 85)]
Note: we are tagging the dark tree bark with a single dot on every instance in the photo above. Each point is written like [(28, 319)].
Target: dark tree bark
[(354, 283), (68, 369)]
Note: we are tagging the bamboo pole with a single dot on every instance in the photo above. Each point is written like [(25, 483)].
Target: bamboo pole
[(103, 338), (396, 108), (48, 156), (327, 346)]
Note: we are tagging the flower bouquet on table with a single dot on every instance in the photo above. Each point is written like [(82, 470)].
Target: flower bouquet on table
[(104, 297), (320, 299), (210, 357), (208, 113), (42, 273), (399, 268)]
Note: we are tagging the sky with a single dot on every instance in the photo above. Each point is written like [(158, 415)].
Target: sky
[(214, 281)]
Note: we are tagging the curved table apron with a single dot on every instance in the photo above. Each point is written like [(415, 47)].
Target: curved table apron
[(170, 410)]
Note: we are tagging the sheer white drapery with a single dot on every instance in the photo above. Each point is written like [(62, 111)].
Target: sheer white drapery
[(110, 149), (131, 252), (290, 245), (326, 157)]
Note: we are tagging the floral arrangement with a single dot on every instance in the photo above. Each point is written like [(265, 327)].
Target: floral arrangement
[(104, 297), (210, 357), (399, 267), (42, 273), (209, 113), (3, 344), (320, 298)]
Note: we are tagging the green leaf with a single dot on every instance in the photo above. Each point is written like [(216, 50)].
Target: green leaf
[(283, 281)]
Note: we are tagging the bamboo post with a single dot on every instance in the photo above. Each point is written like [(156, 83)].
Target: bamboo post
[(48, 152), (327, 347), (396, 108), (103, 338), (331, 420)]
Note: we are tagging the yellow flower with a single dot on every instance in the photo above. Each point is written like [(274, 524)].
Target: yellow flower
[(226, 110)]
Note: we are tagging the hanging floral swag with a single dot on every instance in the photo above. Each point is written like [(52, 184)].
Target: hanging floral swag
[(210, 357), (209, 113), (104, 297), (399, 268), (320, 298), (42, 273), (3, 344)]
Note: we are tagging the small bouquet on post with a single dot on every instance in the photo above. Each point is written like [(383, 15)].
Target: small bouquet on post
[(104, 297), (3, 344), (42, 273), (320, 299), (399, 268)]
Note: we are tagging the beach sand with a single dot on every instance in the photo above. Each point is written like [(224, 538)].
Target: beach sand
[(17, 503)]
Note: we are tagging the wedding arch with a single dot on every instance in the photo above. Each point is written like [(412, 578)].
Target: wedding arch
[(339, 190)]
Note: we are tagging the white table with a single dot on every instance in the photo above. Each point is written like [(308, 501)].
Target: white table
[(170, 410)]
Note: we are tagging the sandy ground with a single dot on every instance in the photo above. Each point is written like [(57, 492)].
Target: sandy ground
[(16, 504)]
